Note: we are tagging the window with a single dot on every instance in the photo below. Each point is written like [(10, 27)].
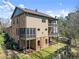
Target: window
[(31, 32), (38, 29), (46, 41), (18, 11), (45, 29), (22, 32), (34, 32), (43, 20), (27, 32), (38, 42)]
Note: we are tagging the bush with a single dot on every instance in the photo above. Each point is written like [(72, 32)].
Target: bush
[(10, 43)]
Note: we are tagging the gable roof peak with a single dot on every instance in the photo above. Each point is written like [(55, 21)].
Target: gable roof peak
[(32, 12)]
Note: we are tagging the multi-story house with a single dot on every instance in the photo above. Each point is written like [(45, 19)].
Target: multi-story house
[(32, 29)]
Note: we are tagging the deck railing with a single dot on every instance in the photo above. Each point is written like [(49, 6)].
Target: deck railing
[(53, 35), (52, 24), (28, 36)]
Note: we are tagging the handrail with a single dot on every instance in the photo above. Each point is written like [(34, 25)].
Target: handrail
[(52, 24)]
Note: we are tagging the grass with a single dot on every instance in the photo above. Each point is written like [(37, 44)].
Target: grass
[(74, 50), (2, 55), (1, 39), (46, 53)]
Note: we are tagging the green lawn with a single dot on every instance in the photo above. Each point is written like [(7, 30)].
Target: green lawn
[(1, 39), (74, 50), (46, 53), (2, 54)]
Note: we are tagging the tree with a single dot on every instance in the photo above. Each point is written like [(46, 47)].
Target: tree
[(62, 26), (69, 26)]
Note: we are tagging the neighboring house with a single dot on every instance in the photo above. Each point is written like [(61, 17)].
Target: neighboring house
[(32, 29)]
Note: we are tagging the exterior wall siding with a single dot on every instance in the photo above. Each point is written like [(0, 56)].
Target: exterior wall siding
[(36, 22), (21, 24), (29, 21), (33, 22)]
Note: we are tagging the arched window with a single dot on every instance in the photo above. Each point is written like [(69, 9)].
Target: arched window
[(38, 42), (45, 29), (46, 41)]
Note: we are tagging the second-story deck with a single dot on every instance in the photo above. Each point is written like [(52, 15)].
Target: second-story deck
[(53, 29), (28, 37), (52, 24)]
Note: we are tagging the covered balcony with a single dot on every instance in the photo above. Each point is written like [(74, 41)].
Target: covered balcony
[(26, 33), (28, 37), (52, 28), (52, 24)]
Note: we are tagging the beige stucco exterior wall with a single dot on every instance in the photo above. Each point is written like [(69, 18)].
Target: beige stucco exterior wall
[(27, 21), (36, 22), (42, 43), (33, 22)]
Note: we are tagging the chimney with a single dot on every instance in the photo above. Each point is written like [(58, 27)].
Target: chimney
[(56, 17), (36, 10)]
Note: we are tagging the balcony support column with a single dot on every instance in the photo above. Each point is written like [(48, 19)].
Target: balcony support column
[(29, 44)]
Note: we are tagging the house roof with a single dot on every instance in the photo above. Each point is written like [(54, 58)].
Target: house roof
[(32, 12)]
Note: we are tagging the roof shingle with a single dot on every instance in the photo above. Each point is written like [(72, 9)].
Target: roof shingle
[(33, 12)]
